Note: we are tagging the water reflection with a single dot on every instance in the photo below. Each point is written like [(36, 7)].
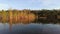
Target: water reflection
[(32, 28)]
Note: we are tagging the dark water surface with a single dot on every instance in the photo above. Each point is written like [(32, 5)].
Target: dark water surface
[(29, 28)]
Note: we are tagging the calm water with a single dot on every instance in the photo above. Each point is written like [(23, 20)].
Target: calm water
[(29, 28)]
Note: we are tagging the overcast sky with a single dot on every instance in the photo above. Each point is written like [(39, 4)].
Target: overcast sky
[(30, 4)]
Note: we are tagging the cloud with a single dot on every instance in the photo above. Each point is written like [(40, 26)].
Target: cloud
[(45, 2), (33, 4), (4, 6), (41, 4), (49, 4)]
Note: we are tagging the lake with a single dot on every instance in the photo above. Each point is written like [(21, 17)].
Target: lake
[(32, 28)]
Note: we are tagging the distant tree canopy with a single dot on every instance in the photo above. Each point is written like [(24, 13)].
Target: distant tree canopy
[(32, 15)]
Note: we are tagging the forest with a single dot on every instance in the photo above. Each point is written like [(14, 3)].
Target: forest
[(29, 16)]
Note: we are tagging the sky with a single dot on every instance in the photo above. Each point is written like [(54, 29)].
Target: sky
[(30, 4)]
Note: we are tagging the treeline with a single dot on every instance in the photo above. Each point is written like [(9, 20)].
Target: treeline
[(48, 16), (35, 16)]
